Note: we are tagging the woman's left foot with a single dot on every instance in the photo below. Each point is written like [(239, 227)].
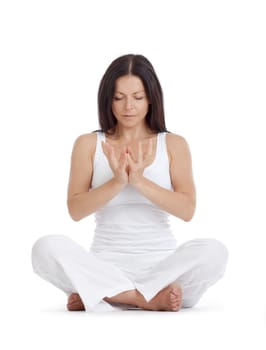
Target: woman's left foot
[(168, 299), (75, 303)]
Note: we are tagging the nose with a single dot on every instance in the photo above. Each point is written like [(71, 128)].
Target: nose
[(129, 104)]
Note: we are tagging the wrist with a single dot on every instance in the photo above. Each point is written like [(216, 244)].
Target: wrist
[(120, 184), (137, 182)]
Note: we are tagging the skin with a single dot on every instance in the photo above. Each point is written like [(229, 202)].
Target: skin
[(129, 151)]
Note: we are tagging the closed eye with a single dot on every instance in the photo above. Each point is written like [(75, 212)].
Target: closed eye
[(121, 98)]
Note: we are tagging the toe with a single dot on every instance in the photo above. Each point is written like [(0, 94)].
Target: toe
[(75, 306)]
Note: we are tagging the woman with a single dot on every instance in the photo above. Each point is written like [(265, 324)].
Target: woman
[(132, 174)]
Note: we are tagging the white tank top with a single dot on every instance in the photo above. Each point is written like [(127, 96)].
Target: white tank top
[(131, 223)]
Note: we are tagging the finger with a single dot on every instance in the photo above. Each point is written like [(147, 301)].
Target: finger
[(150, 147), (123, 159), (122, 156), (110, 154), (123, 152), (130, 160), (140, 154), (149, 152), (109, 149), (106, 148), (124, 164), (113, 157), (130, 151)]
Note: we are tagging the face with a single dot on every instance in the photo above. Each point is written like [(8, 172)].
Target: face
[(130, 104)]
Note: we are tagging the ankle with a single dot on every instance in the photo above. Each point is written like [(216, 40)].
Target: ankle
[(140, 301), (131, 297), (127, 297)]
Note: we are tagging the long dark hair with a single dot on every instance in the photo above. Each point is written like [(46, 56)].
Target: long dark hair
[(139, 66)]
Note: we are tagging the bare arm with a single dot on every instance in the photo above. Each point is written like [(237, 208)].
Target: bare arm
[(182, 201), (81, 200)]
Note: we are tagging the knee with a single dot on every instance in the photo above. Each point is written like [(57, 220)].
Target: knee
[(219, 251), (215, 256), (43, 248), (44, 244)]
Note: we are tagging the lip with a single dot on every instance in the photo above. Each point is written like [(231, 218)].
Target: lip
[(129, 115)]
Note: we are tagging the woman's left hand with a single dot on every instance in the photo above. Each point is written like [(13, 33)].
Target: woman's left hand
[(136, 165)]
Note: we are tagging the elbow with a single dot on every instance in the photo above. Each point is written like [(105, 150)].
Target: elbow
[(187, 218), (72, 212), (74, 215), (189, 214)]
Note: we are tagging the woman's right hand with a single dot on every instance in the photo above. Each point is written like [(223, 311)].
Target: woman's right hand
[(118, 166)]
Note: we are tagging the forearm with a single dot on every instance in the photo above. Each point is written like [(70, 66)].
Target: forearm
[(175, 203), (83, 204)]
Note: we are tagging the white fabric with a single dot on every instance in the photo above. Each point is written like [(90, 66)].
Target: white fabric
[(133, 248), (130, 222)]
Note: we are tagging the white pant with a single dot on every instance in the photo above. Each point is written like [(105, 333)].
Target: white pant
[(194, 265)]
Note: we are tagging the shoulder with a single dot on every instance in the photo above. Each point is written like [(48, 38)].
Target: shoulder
[(178, 150), (85, 143), (176, 145), (175, 140), (86, 140)]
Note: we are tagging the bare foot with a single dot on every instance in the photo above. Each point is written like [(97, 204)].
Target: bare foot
[(75, 303), (168, 299)]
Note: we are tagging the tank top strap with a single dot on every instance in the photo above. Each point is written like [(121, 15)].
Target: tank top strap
[(161, 147), (100, 136), (98, 150)]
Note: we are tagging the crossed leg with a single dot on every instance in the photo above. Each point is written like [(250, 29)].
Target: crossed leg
[(168, 299), (194, 266)]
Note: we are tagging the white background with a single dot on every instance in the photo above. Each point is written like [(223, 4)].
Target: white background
[(210, 57)]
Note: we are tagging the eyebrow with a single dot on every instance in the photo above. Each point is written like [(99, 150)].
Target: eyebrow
[(136, 92)]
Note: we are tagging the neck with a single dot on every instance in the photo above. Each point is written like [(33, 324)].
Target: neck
[(132, 134)]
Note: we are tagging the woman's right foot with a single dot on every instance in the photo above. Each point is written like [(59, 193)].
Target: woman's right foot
[(75, 303)]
